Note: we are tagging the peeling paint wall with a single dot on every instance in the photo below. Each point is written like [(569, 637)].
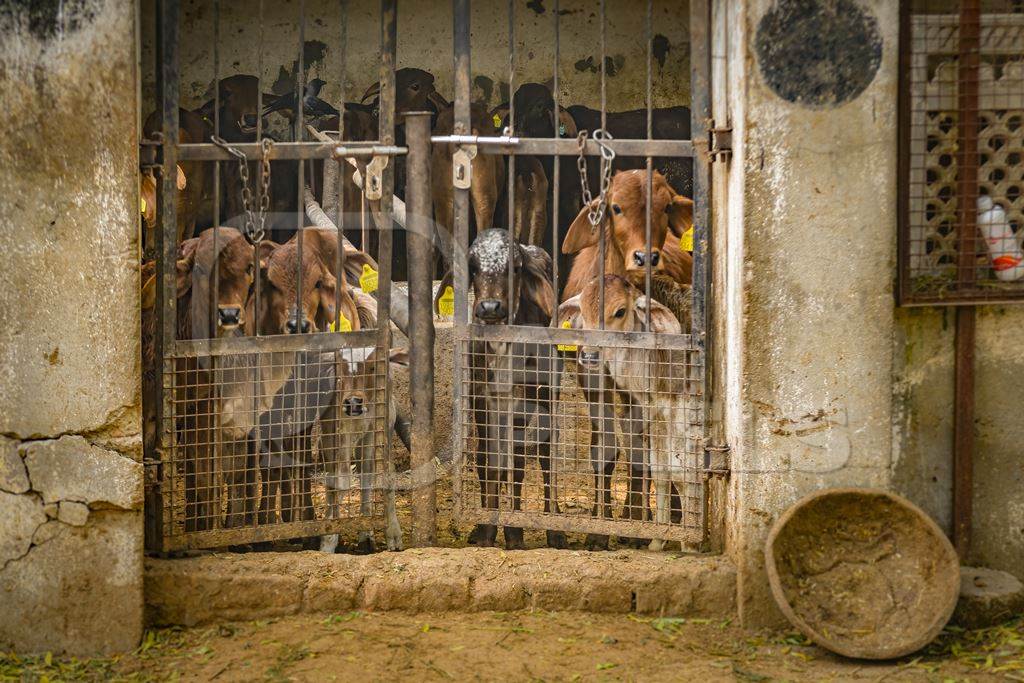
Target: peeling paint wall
[(425, 41), (812, 307), (70, 477), (923, 426)]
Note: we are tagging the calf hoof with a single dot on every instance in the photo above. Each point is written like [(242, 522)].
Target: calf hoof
[(365, 544), (483, 535), (311, 543), (596, 542), (656, 545), (329, 543), (514, 538), (393, 540), (556, 539)]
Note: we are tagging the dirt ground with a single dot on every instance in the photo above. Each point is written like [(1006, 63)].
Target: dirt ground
[(520, 646)]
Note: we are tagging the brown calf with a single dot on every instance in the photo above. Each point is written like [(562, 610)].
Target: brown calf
[(625, 234), (202, 391)]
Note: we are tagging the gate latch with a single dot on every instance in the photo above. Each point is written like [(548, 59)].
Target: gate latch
[(716, 460), (462, 166), (719, 142), (374, 170)]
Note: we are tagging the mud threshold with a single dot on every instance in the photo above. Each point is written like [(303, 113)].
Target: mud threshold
[(241, 587)]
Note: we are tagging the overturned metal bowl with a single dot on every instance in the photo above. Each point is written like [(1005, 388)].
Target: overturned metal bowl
[(863, 572)]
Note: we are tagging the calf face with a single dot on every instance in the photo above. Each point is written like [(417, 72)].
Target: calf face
[(414, 88), (227, 257), (531, 296), (625, 221), (283, 309)]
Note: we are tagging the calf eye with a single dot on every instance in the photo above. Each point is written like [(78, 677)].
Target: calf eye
[(248, 269), (319, 284), (621, 312), (616, 209)]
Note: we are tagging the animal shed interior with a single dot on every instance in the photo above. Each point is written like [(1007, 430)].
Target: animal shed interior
[(276, 441)]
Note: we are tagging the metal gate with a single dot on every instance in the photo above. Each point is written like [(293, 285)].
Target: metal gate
[(546, 437), (267, 429)]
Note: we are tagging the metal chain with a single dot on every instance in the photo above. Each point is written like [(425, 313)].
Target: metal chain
[(254, 224), (596, 214)]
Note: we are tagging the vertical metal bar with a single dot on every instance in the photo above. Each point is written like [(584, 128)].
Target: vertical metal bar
[(460, 268), (420, 252), (259, 186), (339, 186), (604, 123), (214, 448), (300, 180), (903, 164), (967, 191), (700, 113), (556, 160), (386, 126), (650, 169), (511, 192), (167, 88)]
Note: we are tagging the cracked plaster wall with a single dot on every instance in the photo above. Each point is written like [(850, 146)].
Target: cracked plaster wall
[(70, 478)]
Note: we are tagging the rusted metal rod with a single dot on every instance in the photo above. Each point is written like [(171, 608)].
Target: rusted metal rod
[(420, 252), (967, 194)]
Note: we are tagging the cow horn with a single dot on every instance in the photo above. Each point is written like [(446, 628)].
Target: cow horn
[(370, 92)]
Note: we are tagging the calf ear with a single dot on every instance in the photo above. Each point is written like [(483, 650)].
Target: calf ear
[(680, 215), (399, 357), (354, 262), (663, 321), (181, 181), (536, 286), (570, 312), (581, 233), (265, 251), (366, 309), (186, 260)]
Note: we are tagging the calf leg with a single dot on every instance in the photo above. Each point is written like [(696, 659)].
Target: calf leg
[(514, 534), (594, 384), (366, 464), (633, 426)]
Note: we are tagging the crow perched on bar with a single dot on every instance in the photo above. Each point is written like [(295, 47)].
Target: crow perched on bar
[(312, 105)]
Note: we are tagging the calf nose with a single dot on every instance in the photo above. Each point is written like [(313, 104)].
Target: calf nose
[(249, 119), (589, 357), (294, 327), (640, 257), (353, 406), (229, 316), (490, 309)]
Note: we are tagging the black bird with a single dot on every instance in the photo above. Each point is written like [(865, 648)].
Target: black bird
[(312, 105)]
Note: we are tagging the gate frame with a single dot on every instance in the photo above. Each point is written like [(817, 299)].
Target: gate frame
[(169, 349), (699, 149)]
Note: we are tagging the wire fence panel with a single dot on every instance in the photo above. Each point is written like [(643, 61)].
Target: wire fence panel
[(962, 181)]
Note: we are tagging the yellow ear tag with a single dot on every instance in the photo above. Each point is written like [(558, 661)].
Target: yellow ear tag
[(497, 121), (446, 304), (686, 240), (567, 347), (368, 280), (142, 205), (343, 326)]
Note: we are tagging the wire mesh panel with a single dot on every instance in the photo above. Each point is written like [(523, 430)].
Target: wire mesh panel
[(268, 406), (962, 223), (568, 422)]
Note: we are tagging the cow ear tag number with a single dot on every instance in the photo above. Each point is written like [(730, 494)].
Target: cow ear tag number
[(343, 324), (446, 304), (686, 240), (566, 325), (368, 280)]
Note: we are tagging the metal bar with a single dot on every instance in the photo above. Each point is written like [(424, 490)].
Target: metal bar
[(386, 126), (586, 525), (339, 176), (903, 162), (212, 314), (167, 87), (565, 336), (290, 150), (259, 186), (321, 341), (566, 147), (300, 179), (420, 252), (276, 531), (649, 165), (967, 191)]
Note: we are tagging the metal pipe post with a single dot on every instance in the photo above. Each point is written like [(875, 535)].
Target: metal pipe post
[(420, 252)]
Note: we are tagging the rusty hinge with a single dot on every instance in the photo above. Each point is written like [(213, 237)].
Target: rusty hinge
[(719, 142), (716, 460), (149, 151)]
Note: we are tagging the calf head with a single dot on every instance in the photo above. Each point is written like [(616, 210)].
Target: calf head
[(414, 89), (359, 377), (625, 309), (228, 257), (625, 223), (239, 107), (531, 295), (299, 296)]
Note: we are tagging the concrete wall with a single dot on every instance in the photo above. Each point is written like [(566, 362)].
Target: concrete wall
[(70, 476), (811, 222), (425, 41), (923, 426)]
